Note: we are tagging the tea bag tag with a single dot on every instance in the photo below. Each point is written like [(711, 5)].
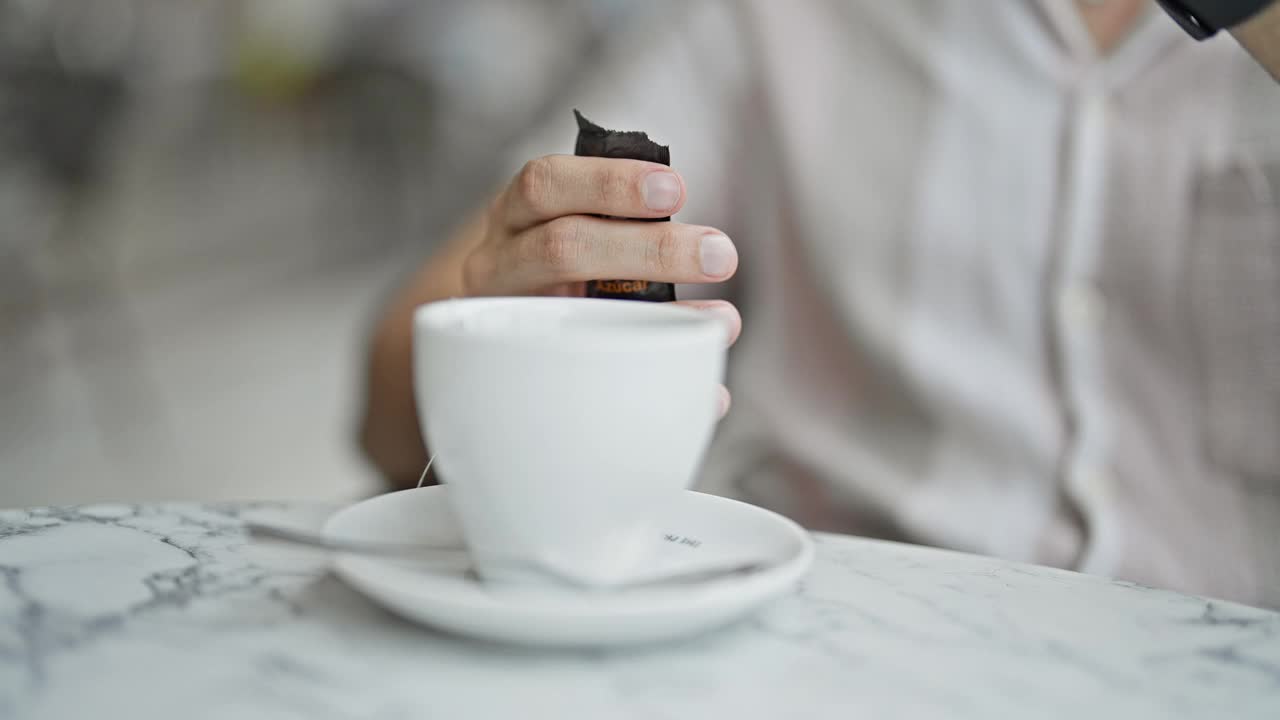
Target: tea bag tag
[(423, 478)]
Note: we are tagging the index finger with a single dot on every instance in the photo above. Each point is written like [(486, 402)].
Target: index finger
[(557, 185)]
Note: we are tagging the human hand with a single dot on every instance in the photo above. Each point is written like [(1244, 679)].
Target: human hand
[(542, 236)]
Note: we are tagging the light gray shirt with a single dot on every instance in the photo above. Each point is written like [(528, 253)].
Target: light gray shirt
[(1000, 294)]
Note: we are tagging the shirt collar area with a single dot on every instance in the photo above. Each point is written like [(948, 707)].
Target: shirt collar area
[(1153, 36)]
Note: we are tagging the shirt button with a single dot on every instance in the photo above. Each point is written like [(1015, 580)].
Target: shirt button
[(1082, 306)]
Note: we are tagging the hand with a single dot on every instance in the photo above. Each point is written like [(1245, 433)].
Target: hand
[(540, 236)]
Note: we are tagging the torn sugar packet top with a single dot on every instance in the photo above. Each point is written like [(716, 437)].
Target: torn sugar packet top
[(595, 141)]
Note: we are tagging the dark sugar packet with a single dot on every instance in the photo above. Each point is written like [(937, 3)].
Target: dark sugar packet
[(595, 141)]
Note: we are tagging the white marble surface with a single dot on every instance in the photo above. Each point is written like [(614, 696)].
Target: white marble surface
[(163, 611)]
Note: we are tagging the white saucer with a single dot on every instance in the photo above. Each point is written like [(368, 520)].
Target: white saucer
[(701, 527)]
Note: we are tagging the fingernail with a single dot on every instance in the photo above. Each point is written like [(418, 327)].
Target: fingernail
[(661, 191), (718, 256), (726, 400)]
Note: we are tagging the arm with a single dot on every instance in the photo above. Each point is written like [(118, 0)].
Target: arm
[(1254, 23), (389, 433), (1261, 37)]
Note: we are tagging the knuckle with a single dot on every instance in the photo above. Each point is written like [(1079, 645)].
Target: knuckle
[(615, 190), (665, 251), (561, 246), (535, 183)]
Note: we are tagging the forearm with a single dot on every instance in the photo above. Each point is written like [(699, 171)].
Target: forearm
[(390, 435), (1255, 24), (1261, 37)]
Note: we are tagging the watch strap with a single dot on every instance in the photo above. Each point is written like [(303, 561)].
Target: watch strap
[(1204, 18)]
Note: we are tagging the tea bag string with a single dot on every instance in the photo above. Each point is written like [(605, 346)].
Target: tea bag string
[(423, 477)]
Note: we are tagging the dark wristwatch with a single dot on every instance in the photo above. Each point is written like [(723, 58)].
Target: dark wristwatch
[(1204, 18)]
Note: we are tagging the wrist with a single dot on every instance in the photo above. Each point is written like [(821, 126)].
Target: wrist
[(1261, 37), (1204, 18)]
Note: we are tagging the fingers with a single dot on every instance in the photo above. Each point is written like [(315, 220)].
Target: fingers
[(724, 311), (557, 185), (579, 247), (728, 314)]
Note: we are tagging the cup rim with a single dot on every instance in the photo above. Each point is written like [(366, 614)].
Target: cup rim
[(639, 324)]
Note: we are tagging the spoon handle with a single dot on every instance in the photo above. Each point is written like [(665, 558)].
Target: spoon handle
[(260, 531)]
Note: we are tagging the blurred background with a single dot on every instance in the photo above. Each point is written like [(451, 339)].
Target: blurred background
[(202, 205)]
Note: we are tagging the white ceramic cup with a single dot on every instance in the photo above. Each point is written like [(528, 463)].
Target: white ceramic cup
[(564, 427)]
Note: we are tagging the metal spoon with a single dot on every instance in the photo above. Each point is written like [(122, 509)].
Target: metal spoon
[(275, 533)]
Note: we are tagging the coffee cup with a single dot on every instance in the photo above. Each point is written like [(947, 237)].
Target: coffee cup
[(563, 428)]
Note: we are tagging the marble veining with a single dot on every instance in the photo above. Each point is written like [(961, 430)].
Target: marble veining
[(161, 611)]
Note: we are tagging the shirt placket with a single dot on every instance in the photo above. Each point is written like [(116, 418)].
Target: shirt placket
[(1077, 307)]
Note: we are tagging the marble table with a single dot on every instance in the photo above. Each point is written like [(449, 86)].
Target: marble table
[(165, 611)]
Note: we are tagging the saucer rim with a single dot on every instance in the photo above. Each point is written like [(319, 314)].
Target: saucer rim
[(453, 594)]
